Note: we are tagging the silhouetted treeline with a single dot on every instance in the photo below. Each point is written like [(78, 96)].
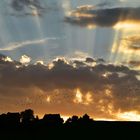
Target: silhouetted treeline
[(25, 122), (26, 119)]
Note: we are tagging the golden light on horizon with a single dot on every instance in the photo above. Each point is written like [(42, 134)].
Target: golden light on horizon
[(129, 116), (104, 119), (65, 118), (70, 61)]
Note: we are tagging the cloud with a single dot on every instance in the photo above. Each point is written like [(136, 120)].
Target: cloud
[(134, 63), (35, 7), (102, 90), (16, 45), (88, 15), (132, 42), (22, 8), (25, 59), (19, 5)]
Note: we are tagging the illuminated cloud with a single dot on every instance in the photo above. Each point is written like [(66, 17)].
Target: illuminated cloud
[(90, 15), (25, 59), (69, 89), (132, 42)]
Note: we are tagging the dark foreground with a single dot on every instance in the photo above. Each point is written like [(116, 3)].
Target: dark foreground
[(25, 126)]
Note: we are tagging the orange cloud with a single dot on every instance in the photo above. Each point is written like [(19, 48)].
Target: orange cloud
[(69, 88)]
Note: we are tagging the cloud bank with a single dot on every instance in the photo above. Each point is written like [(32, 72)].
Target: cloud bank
[(69, 87), (89, 15)]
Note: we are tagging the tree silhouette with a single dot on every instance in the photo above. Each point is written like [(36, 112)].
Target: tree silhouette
[(27, 116), (85, 120), (73, 119)]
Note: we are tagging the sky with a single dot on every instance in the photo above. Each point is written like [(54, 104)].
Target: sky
[(71, 57)]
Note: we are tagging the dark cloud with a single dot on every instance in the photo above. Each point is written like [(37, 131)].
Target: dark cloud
[(19, 5), (35, 7), (21, 8), (2, 56), (112, 88), (90, 60), (85, 16)]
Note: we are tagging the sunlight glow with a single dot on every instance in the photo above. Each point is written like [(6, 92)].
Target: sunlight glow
[(129, 116), (108, 93), (65, 118), (125, 51), (106, 74), (85, 7), (40, 62), (90, 26), (25, 59), (61, 59), (80, 83), (126, 46), (48, 99), (86, 99), (66, 4), (127, 24), (50, 66), (83, 15), (78, 96), (35, 12), (7, 59), (104, 119)]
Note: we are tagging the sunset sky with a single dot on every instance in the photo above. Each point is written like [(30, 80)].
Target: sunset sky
[(71, 57)]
